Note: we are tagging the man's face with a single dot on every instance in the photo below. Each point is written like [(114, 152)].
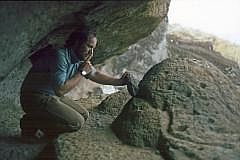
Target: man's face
[(85, 50)]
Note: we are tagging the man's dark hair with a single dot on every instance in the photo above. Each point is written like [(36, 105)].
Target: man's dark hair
[(80, 35)]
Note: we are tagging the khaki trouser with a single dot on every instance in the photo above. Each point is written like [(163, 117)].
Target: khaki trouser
[(51, 113)]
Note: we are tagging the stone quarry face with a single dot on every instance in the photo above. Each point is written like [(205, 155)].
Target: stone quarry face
[(186, 108)]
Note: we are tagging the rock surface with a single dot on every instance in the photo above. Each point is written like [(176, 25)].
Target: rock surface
[(187, 107), (180, 47), (114, 103)]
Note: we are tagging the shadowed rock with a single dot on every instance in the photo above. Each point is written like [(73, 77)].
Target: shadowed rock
[(114, 103)]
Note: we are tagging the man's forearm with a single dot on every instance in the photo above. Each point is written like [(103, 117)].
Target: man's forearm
[(68, 85), (105, 79)]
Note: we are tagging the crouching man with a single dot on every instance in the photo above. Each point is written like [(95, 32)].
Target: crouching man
[(54, 73)]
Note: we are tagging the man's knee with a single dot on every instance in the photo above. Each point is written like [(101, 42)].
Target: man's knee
[(83, 111), (76, 125)]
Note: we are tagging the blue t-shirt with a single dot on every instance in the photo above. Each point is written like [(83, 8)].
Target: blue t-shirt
[(51, 70)]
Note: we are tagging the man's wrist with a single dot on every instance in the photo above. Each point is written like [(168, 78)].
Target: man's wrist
[(78, 74), (121, 82)]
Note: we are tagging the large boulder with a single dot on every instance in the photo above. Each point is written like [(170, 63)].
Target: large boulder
[(187, 108), (113, 104)]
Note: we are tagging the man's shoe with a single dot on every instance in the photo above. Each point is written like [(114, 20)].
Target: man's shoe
[(32, 136)]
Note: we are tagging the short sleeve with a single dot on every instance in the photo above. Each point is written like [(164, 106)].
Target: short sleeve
[(59, 69)]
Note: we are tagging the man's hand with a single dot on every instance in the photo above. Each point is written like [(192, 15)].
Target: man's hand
[(86, 68), (131, 82), (125, 78)]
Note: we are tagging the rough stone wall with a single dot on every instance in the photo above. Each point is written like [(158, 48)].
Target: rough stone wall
[(141, 56)]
